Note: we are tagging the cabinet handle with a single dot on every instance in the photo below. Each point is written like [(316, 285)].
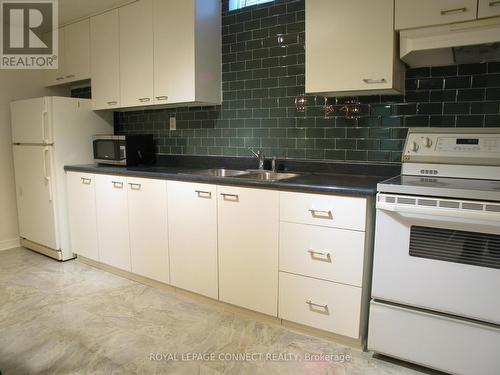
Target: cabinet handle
[(324, 254), (311, 303), (230, 197), (372, 81), (70, 76), (453, 11), (134, 186), (112, 102), (142, 100), (494, 3), (204, 194), (321, 213), (59, 78), (117, 184), (162, 97), (86, 181)]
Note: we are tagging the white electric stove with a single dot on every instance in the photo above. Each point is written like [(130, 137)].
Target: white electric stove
[(436, 273)]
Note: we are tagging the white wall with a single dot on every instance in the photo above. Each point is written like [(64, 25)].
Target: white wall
[(14, 84)]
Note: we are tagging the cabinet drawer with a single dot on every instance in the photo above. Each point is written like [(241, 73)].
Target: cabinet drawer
[(488, 8), (411, 13), (326, 253), (325, 210), (320, 304)]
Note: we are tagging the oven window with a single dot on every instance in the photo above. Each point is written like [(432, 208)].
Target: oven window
[(105, 149), (478, 249)]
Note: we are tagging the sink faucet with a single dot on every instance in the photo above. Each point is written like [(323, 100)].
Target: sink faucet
[(259, 154)]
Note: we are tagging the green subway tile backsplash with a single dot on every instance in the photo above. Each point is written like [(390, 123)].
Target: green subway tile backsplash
[(263, 73)]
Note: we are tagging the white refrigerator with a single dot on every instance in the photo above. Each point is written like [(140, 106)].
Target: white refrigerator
[(47, 134)]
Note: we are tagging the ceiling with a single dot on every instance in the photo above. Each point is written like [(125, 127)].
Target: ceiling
[(72, 10)]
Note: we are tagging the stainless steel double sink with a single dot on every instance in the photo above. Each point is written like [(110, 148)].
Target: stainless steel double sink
[(251, 174)]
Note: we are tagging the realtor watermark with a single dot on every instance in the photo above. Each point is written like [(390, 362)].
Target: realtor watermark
[(29, 34), (250, 357)]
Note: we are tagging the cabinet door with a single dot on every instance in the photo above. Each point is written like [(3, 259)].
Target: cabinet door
[(488, 8), (411, 13), (136, 54), (57, 76), (192, 215), (147, 208), (350, 47), (112, 221), (77, 50), (82, 214), (174, 51), (248, 226), (105, 60)]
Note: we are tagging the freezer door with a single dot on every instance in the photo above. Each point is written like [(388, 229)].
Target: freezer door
[(30, 120), (35, 204)]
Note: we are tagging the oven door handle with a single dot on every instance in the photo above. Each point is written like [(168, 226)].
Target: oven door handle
[(452, 214)]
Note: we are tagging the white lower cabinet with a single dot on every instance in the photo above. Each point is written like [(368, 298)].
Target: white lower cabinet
[(112, 221), (248, 230), (320, 304), (192, 215), (147, 216), (82, 214), (325, 253)]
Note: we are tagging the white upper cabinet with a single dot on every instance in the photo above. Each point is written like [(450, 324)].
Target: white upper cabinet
[(74, 54), (136, 54), (193, 256), (411, 14), (77, 50), (105, 60), (351, 48), (248, 227), (488, 8), (147, 217), (82, 214), (187, 51)]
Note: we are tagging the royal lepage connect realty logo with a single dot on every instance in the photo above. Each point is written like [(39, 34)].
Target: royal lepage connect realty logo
[(29, 38)]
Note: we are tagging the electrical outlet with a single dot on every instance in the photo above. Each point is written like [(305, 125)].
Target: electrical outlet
[(173, 124)]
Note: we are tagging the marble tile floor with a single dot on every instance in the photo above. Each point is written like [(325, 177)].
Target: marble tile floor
[(70, 318)]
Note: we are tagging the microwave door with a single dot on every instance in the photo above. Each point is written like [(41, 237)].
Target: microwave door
[(109, 151)]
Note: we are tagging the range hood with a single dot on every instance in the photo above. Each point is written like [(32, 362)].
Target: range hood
[(458, 43)]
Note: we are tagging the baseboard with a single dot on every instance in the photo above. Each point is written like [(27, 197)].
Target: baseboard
[(9, 244)]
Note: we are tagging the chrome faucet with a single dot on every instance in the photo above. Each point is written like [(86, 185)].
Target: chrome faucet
[(259, 154)]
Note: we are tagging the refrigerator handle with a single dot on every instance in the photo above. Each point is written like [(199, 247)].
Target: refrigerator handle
[(46, 176), (44, 126)]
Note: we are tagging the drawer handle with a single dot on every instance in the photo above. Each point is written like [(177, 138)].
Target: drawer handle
[(59, 78), (112, 102), (230, 197), (204, 194), (453, 11), (371, 80), (86, 181), (134, 186), (143, 100), (321, 214), (162, 97), (494, 3), (70, 76), (314, 304), (315, 254), (117, 184)]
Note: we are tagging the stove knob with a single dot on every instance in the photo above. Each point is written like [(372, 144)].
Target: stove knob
[(415, 147), (427, 142)]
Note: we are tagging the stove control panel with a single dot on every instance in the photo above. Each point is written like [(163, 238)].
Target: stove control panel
[(453, 145)]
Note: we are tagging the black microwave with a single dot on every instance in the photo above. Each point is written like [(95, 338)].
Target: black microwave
[(126, 150)]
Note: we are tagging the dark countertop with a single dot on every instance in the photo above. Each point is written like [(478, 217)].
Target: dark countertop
[(353, 179)]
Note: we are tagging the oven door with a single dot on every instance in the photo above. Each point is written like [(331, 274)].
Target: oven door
[(110, 151), (441, 255)]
